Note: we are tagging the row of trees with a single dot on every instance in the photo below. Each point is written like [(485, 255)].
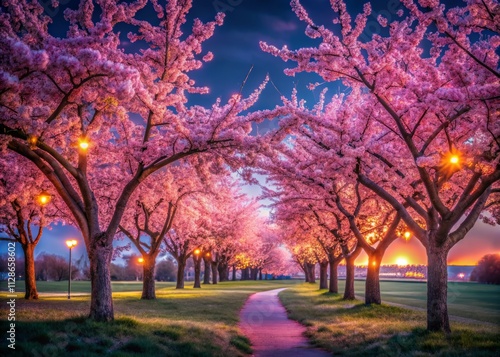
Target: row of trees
[(97, 122), (411, 147)]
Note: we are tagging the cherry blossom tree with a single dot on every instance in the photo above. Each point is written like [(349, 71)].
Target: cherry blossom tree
[(25, 211), (424, 135), (97, 120), (184, 237), (147, 222)]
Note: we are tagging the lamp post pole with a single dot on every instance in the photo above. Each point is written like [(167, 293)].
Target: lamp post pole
[(70, 244)]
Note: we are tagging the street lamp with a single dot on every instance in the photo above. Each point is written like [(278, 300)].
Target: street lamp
[(44, 197), (454, 159), (83, 143), (70, 243)]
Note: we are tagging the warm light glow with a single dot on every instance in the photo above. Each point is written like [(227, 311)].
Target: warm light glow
[(83, 143), (454, 159), (402, 261), (461, 275), (196, 251), (44, 197), (32, 140), (140, 260), (407, 235), (71, 243), (208, 254)]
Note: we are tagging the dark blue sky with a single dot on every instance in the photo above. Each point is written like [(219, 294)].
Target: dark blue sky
[(236, 49)]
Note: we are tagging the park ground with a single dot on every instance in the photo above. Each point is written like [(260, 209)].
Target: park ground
[(204, 322)]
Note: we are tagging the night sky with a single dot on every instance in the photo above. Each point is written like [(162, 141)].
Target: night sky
[(236, 49)]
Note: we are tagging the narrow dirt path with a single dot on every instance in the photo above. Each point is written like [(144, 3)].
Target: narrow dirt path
[(264, 321)]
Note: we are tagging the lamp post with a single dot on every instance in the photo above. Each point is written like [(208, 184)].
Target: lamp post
[(197, 268), (141, 262), (70, 243)]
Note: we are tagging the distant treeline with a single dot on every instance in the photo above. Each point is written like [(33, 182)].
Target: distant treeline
[(52, 267)]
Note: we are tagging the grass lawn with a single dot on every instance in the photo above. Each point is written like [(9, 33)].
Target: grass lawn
[(351, 328), (469, 300), (189, 322)]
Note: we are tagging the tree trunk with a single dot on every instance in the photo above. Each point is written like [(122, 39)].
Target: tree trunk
[(305, 268), (101, 302), (311, 269), (148, 278), (254, 273), (214, 272), (260, 274), (437, 289), (206, 271), (181, 265), (222, 268), (349, 267), (29, 268), (197, 271), (323, 275), (372, 284), (334, 278), (244, 274), (234, 273)]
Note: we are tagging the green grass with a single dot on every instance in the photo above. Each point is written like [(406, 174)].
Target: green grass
[(189, 322), (203, 322), (469, 300), (351, 328)]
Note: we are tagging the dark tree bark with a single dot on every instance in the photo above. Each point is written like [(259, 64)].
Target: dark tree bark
[(234, 273), (223, 271), (323, 274), (254, 273), (260, 274), (29, 268), (311, 269), (437, 289), (215, 272), (372, 284), (245, 274), (206, 270), (181, 266), (305, 268), (22, 232), (197, 271), (101, 301), (334, 277), (349, 266), (148, 278)]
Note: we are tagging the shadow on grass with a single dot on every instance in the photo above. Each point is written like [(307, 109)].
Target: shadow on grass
[(123, 337)]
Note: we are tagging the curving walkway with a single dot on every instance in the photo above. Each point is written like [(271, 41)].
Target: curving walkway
[(264, 321)]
